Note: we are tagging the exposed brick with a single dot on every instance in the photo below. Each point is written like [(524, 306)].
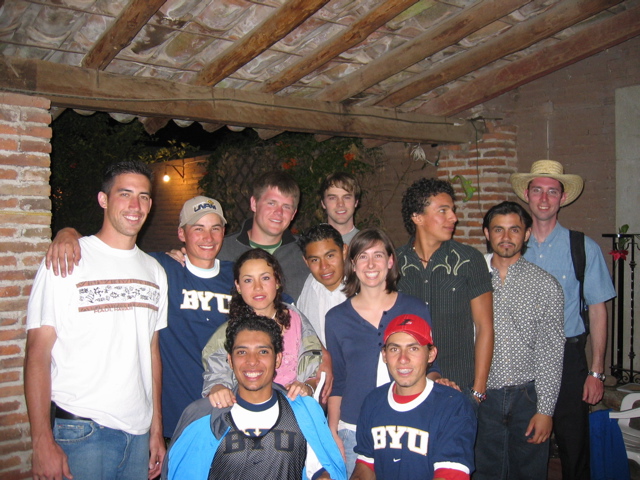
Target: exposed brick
[(36, 233), (39, 176), (26, 190), (33, 218), (8, 462), (16, 475), (10, 376), (25, 101), (13, 418), (7, 335), (25, 160), (32, 260), (7, 231), (8, 129), (11, 390), (27, 145), (7, 261), (9, 291), (36, 131), (14, 447), (13, 305), (10, 406), (21, 247), (8, 144), (6, 174), (36, 116), (30, 204), (10, 433), (8, 203), (11, 362), (8, 114)]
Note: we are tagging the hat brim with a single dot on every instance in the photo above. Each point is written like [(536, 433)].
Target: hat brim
[(573, 185)]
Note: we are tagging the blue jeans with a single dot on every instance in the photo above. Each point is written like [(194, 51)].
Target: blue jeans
[(348, 438), (502, 451), (100, 453)]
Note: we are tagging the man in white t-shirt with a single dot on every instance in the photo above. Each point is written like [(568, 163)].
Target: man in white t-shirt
[(92, 366)]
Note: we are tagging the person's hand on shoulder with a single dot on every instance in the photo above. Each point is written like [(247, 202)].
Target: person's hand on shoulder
[(221, 397), (64, 252)]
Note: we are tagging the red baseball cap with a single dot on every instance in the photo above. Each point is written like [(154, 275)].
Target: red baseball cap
[(414, 325)]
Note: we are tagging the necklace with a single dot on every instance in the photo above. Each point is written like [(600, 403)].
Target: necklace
[(419, 257)]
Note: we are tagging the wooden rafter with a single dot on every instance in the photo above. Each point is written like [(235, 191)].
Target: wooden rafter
[(523, 35), (589, 41), (350, 37), (448, 32), (76, 87), (121, 32), (271, 30), (355, 34)]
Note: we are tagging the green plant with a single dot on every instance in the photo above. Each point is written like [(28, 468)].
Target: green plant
[(234, 165)]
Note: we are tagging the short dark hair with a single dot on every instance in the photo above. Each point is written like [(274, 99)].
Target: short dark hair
[(343, 180), (318, 233), (365, 239), (120, 168), (280, 180), (257, 323), (417, 197), (506, 208)]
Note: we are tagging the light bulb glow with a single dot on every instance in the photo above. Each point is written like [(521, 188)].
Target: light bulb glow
[(166, 177)]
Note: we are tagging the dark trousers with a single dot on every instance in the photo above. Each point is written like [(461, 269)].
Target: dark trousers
[(502, 450), (571, 417)]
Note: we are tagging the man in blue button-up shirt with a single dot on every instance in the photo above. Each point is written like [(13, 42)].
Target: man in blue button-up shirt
[(546, 189)]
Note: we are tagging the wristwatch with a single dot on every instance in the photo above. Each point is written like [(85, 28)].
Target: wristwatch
[(599, 376), (480, 396)]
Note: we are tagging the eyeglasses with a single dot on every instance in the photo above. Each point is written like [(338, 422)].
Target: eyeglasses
[(552, 192)]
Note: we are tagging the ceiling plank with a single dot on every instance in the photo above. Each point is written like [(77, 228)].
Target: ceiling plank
[(272, 29), (447, 33), (121, 32), (523, 35), (355, 34), (350, 37), (77, 87), (589, 41)]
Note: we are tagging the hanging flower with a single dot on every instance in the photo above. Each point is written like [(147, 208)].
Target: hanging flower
[(619, 254), (349, 157)]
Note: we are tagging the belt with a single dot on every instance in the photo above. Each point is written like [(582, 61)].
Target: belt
[(64, 415), (576, 339)]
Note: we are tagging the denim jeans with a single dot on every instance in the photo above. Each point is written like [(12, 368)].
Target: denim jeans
[(502, 451), (348, 438), (100, 453)]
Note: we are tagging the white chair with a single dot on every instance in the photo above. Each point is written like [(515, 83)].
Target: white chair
[(631, 436)]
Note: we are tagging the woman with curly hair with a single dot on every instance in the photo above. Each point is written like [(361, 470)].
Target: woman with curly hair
[(258, 288)]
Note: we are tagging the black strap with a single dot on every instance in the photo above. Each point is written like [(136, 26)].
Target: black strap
[(579, 258)]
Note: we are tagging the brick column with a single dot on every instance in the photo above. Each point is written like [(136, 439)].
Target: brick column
[(488, 164), (25, 219)]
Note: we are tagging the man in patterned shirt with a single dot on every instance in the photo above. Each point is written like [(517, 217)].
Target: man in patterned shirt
[(515, 421), (452, 279)]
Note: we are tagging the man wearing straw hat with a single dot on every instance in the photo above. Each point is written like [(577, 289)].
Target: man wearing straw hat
[(546, 189)]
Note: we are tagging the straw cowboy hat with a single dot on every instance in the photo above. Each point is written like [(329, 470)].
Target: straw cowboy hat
[(573, 184)]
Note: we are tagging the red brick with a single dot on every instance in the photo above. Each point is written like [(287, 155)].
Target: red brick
[(10, 376), (36, 233), (8, 144), (13, 305), (10, 406), (10, 433), (8, 335), (35, 131), (14, 448), (25, 100), (32, 260), (25, 160), (27, 145), (21, 247), (11, 390), (31, 204), (8, 203), (16, 475), (11, 362), (9, 114), (13, 419), (8, 174), (7, 129), (8, 462), (7, 261), (32, 175), (27, 190), (9, 291)]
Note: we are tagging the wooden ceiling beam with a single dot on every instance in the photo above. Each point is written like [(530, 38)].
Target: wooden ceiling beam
[(589, 41), (271, 30), (443, 35), (562, 15), (121, 32), (83, 88), (350, 37)]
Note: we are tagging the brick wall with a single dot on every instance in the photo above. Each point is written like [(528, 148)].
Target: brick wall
[(160, 232), (569, 116), (25, 219)]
